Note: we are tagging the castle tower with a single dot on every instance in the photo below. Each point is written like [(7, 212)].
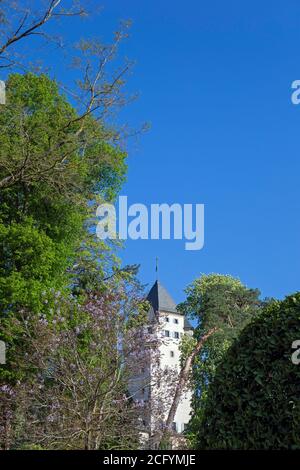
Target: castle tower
[(154, 383), (172, 326)]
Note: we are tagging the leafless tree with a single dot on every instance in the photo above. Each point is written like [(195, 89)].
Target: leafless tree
[(20, 20)]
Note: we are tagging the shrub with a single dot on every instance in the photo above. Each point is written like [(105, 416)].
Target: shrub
[(254, 399)]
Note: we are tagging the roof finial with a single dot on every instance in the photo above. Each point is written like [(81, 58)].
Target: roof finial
[(156, 268)]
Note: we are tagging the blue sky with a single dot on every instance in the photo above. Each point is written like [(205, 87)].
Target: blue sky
[(214, 80)]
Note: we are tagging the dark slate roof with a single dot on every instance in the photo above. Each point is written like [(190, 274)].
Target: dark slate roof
[(161, 301)]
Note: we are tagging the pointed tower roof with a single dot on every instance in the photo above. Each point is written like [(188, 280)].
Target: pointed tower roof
[(161, 301)]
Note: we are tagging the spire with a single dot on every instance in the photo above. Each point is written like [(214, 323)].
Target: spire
[(160, 299)]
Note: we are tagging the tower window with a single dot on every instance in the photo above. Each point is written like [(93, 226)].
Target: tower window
[(172, 353), (176, 320), (167, 333)]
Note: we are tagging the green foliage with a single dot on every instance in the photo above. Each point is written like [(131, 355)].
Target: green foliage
[(54, 168), (186, 347), (30, 262), (45, 145), (53, 165), (254, 399), (220, 301)]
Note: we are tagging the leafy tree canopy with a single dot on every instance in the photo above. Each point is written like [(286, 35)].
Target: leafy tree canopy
[(54, 168), (253, 401), (220, 301)]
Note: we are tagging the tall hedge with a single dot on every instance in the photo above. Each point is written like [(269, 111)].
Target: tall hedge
[(254, 399)]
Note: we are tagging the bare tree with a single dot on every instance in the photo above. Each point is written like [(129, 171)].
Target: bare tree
[(18, 22)]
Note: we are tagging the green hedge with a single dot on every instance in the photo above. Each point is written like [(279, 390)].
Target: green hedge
[(254, 400)]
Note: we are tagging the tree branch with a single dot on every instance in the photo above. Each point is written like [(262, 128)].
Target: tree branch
[(183, 378)]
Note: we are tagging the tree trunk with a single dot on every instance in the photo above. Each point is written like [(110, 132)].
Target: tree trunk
[(183, 378)]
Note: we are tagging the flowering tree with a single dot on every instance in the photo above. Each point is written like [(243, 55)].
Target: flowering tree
[(72, 393)]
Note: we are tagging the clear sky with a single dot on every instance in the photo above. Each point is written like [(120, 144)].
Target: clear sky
[(215, 83), (214, 79)]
